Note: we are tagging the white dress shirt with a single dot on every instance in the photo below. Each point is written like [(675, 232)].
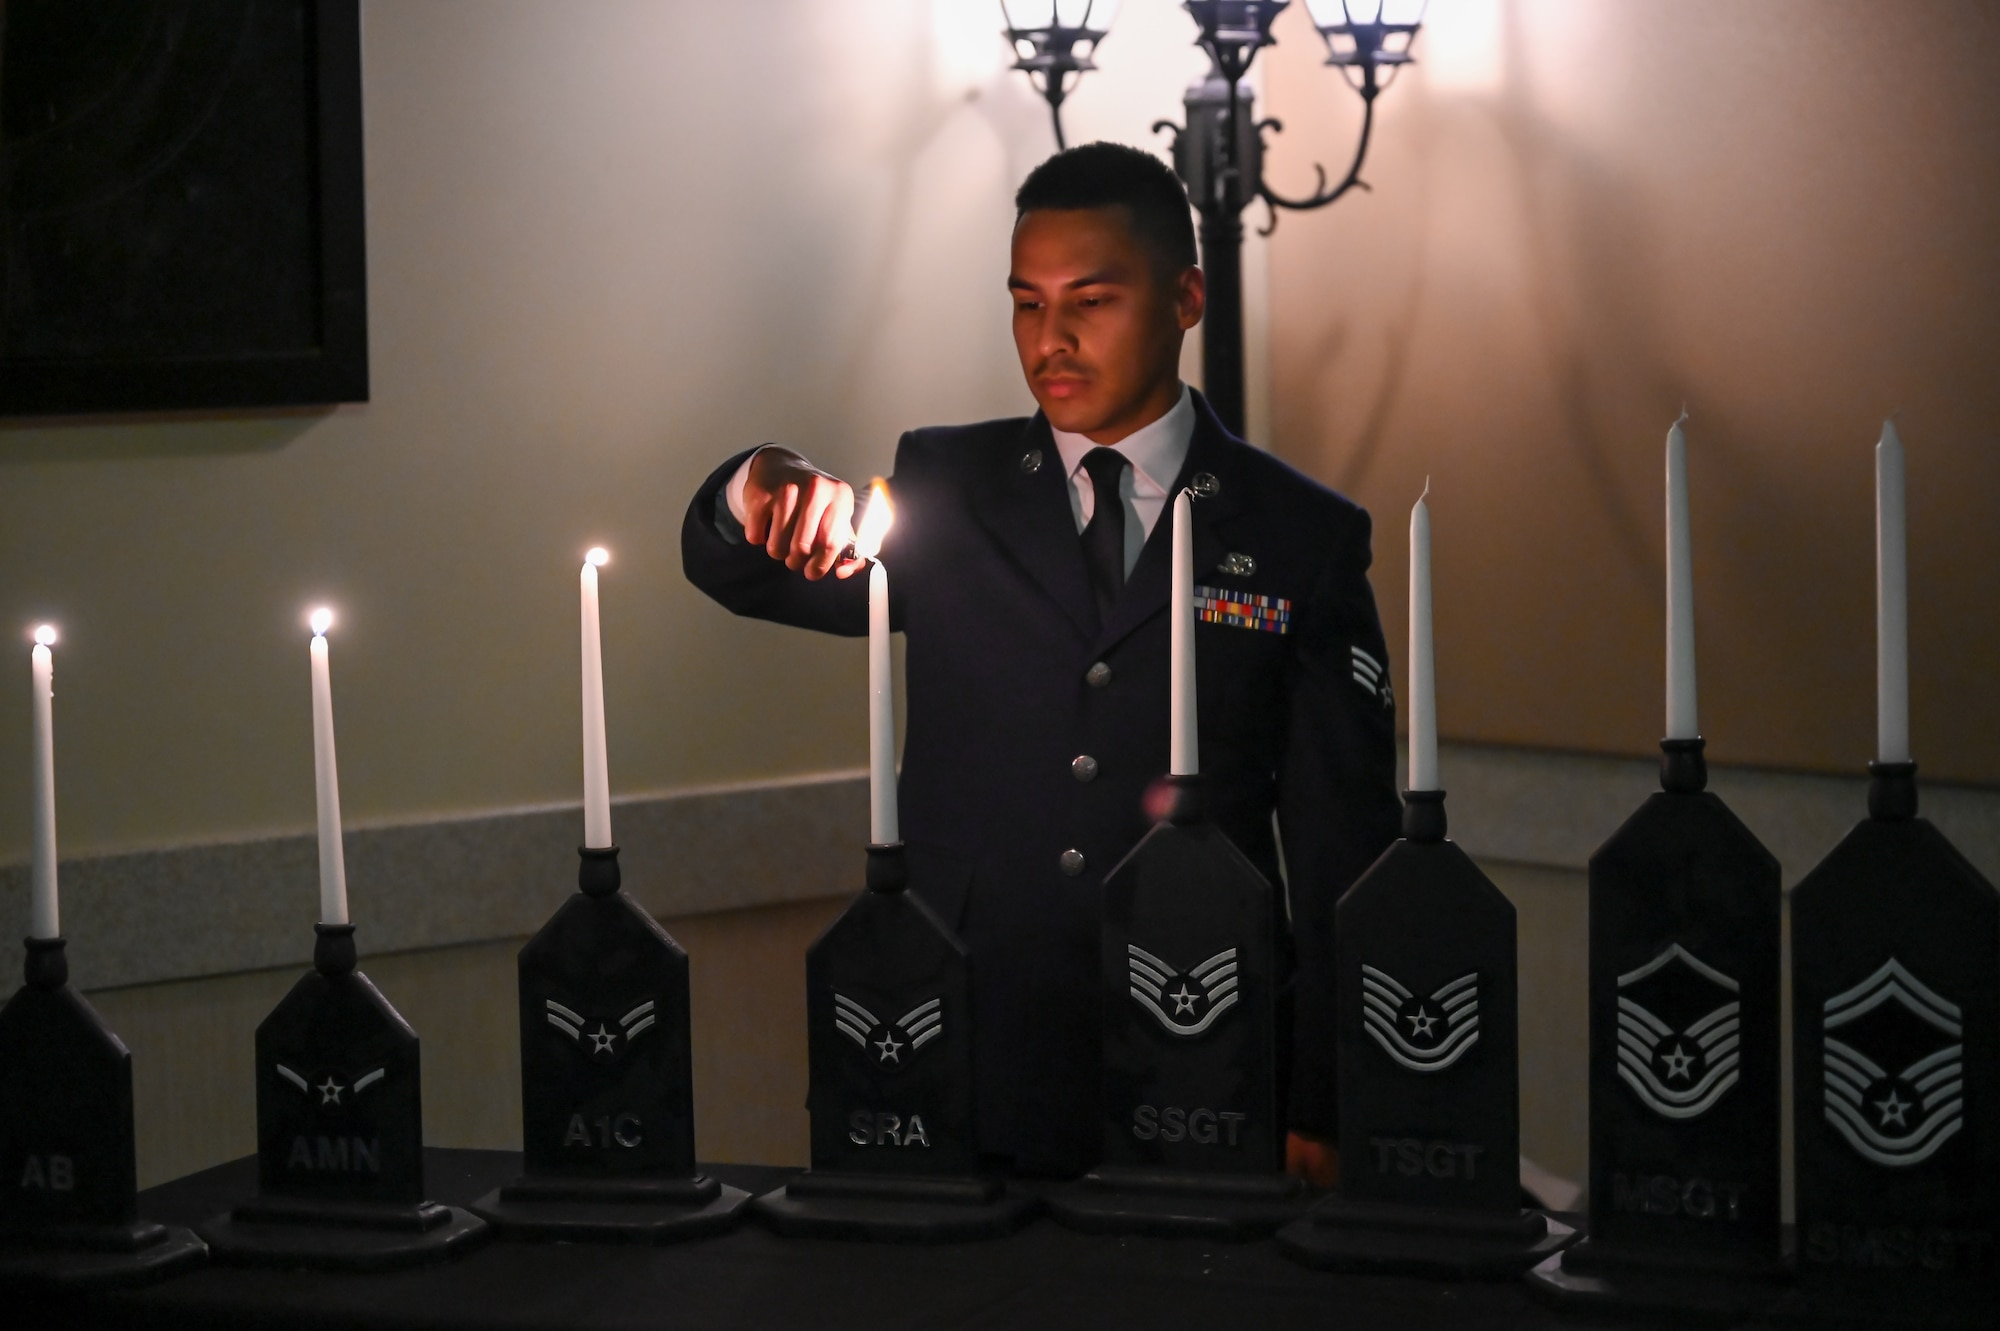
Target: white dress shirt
[(1156, 452)]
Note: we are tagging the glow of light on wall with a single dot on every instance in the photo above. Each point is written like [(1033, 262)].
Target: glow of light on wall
[(967, 49), (1460, 48)]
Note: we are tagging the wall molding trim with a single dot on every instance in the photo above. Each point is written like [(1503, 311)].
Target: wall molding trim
[(176, 913)]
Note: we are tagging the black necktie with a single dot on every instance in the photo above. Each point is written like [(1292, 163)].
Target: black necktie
[(1104, 534)]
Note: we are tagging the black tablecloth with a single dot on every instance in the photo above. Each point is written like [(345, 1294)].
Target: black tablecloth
[(1043, 1277)]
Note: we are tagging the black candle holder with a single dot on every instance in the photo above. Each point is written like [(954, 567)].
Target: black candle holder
[(69, 1216), (1896, 1075), (890, 1040), (1684, 1112), (1193, 1139), (1430, 1105), (607, 1080), (340, 1141)]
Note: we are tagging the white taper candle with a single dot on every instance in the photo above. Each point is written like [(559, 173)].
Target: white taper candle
[(596, 767), (44, 915), (1892, 604), (1423, 677), (883, 828), (1184, 732), (326, 780), (1682, 721)]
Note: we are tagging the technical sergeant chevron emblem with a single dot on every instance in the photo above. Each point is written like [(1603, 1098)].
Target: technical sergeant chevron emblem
[(1441, 1027), (1197, 997), (886, 1043), (1892, 1015), (1680, 1063)]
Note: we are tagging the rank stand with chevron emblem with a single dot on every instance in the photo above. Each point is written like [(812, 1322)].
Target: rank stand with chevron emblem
[(340, 1140), (1193, 1143), (1429, 1072), (1896, 1075), (69, 1215), (1684, 1055), (607, 1080), (889, 1040)]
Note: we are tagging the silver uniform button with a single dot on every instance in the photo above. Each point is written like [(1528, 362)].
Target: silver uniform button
[(1071, 862), (1098, 675), (1205, 485), (1084, 768), (1031, 462)]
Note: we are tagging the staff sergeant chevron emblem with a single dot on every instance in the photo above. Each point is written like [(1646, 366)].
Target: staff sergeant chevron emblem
[(1676, 1043), (887, 1044), (1892, 1016), (1197, 997), (1423, 1034), (604, 1044)]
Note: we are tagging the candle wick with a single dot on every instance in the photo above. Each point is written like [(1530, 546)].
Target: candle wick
[(1427, 490), (1682, 420)]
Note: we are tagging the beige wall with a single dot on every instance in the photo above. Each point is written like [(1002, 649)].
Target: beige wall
[(607, 246), (1587, 212)]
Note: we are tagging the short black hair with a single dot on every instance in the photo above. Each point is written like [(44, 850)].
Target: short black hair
[(1113, 175)]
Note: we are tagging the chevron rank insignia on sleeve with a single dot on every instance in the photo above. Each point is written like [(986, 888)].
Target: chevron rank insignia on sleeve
[(1371, 675)]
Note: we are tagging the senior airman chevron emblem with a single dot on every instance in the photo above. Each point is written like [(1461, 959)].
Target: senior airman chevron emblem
[(1423, 1034), (886, 1043), (1893, 1015), (1677, 1047), (1197, 997)]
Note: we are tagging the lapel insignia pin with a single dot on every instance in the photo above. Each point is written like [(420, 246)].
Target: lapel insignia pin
[(1206, 485), (1031, 462), (1238, 565)]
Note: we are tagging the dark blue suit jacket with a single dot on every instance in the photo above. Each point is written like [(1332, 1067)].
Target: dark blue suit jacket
[(987, 582)]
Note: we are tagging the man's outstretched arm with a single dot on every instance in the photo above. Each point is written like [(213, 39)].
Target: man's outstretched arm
[(761, 536)]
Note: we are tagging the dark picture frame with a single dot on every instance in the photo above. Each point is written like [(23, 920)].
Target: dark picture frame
[(190, 234)]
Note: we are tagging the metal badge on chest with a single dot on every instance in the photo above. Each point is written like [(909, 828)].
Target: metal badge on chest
[(607, 1079)]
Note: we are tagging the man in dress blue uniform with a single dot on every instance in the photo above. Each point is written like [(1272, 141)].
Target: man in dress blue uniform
[(1030, 579)]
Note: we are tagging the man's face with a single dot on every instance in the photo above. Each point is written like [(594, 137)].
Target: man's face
[(1097, 322)]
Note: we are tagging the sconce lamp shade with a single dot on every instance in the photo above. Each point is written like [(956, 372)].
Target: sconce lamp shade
[(1367, 35), (1053, 43)]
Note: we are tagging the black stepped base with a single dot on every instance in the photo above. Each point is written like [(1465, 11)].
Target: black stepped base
[(888, 1208), (1115, 1200), (1343, 1235), (1892, 1299), (340, 1236), (574, 1210), (1626, 1281), (121, 1257)]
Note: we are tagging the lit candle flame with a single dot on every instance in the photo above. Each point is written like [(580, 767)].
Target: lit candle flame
[(45, 635), (875, 520), (597, 556), (321, 621)]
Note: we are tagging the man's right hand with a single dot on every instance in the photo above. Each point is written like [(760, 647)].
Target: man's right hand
[(799, 514)]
